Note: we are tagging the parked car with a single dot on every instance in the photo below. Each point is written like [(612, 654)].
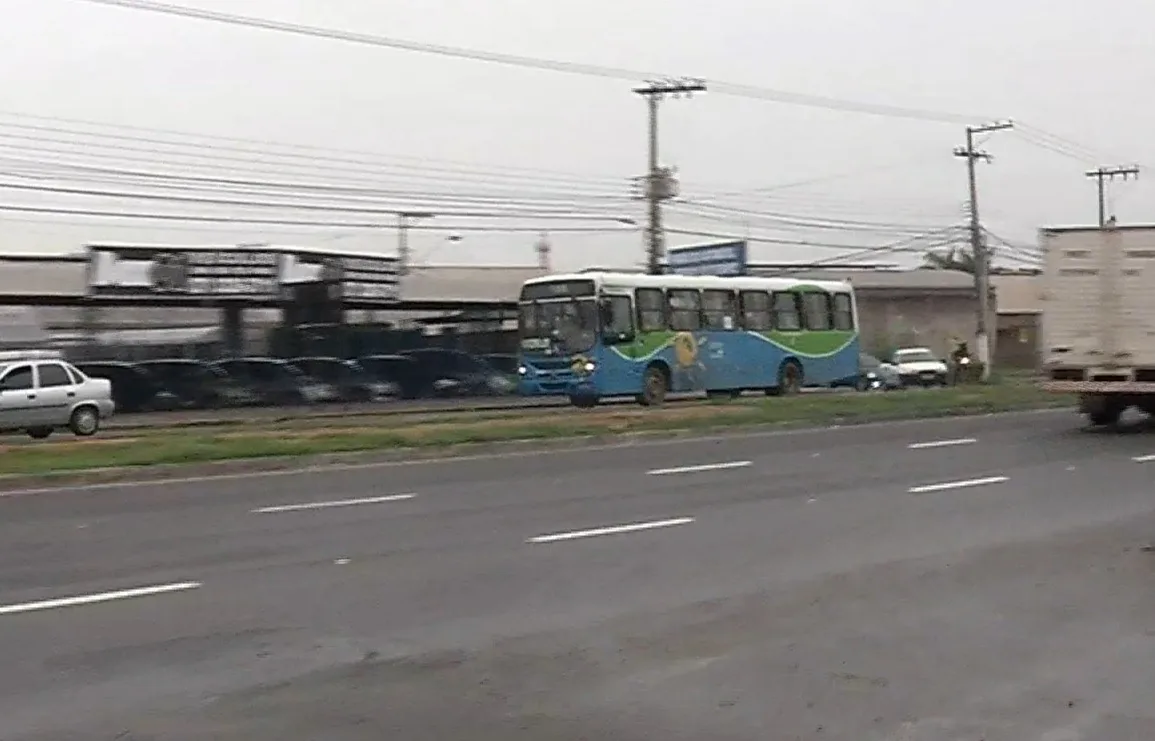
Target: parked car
[(133, 388), (873, 374), (197, 385), (503, 363), (40, 393), (918, 366), (398, 370), (352, 382), (449, 373), (276, 382)]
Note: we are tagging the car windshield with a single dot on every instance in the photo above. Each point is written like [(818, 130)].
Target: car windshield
[(570, 325), (914, 356)]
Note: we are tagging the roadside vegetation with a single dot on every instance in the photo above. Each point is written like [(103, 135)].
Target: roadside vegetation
[(259, 441)]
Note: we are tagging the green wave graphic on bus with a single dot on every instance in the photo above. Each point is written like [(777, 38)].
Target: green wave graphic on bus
[(809, 344)]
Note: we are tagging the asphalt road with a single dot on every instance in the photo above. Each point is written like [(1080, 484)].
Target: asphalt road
[(941, 580)]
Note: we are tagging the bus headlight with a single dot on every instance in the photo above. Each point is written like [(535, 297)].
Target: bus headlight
[(589, 366), (522, 370)]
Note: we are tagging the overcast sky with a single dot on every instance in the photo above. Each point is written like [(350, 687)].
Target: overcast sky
[(447, 136)]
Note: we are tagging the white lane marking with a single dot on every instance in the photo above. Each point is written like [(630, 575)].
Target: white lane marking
[(942, 443), (1144, 458), (331, 503), (92, 599), (614, 530), (957, 484), (698, 469), (331, 468)]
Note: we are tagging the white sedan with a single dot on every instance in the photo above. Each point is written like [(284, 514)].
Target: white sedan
[(918, 366)]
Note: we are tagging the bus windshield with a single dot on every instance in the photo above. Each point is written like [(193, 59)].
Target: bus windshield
[(569, 325)]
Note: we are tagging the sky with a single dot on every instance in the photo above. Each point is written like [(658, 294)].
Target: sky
[(166, 113)]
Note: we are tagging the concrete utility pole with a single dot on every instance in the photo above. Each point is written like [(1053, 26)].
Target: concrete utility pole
[(982, 261), (659, 183), (403, 254), (1105, 174), (543, 248)]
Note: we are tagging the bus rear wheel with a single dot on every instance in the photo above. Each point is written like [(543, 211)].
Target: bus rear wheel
[(654, 387), (789, 380)]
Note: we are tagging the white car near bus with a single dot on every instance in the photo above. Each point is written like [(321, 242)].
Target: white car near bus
[(41, 393)]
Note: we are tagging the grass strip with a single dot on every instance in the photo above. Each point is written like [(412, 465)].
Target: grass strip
[(804, 410)]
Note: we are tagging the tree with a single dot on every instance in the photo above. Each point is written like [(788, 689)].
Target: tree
[(953, 258)]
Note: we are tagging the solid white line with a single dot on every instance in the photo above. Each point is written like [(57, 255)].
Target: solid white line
[(92, 599), (332, 503), (616, 529), (325, 469), (942, 443), (703, 467), (1144, 458), (957, 484)]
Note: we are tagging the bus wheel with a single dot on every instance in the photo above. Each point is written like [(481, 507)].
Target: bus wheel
[(584, 401), (654, 387), (789, 380)]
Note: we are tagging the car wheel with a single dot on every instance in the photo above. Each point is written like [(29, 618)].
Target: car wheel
[(85, 422), (39, 433)]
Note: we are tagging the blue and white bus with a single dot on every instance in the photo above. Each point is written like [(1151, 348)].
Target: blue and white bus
[(595, 335)]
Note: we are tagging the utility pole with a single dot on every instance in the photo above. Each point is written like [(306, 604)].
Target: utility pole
[(543, 248), (659, 183), (982, 261), (1105, 174), (403, 255)]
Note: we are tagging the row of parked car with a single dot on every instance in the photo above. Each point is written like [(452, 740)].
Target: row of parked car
[(163, 385)]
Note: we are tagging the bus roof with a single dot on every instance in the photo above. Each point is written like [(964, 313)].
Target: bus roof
[(669, 280)]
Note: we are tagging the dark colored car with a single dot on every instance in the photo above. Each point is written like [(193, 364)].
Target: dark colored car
[(502, 363), (447, 372), (133, 388), (196, 385), (348, 377), (402, 372), (277, 382)]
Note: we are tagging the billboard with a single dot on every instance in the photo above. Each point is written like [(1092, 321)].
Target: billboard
[(153, 271), (350, 277), (255, 272), (719, 258)]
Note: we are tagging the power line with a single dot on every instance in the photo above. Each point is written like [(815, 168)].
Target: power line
[(794, 220), (129, 195), (158, 178), (589, 70), (864, 249), (264, 147), (200, 218), (293, 160)]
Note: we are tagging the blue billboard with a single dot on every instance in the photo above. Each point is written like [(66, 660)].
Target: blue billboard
[(720, 258)]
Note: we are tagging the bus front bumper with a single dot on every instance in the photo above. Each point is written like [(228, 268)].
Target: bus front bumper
[(556, 387)]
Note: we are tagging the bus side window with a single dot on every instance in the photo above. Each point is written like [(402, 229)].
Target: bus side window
[(718, 310), (651, 310), (843, 312), (816, 308), (756, 311), (786, 315), (685, 310)]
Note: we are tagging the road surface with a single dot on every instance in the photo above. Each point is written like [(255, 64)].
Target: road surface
[(924, 581)]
